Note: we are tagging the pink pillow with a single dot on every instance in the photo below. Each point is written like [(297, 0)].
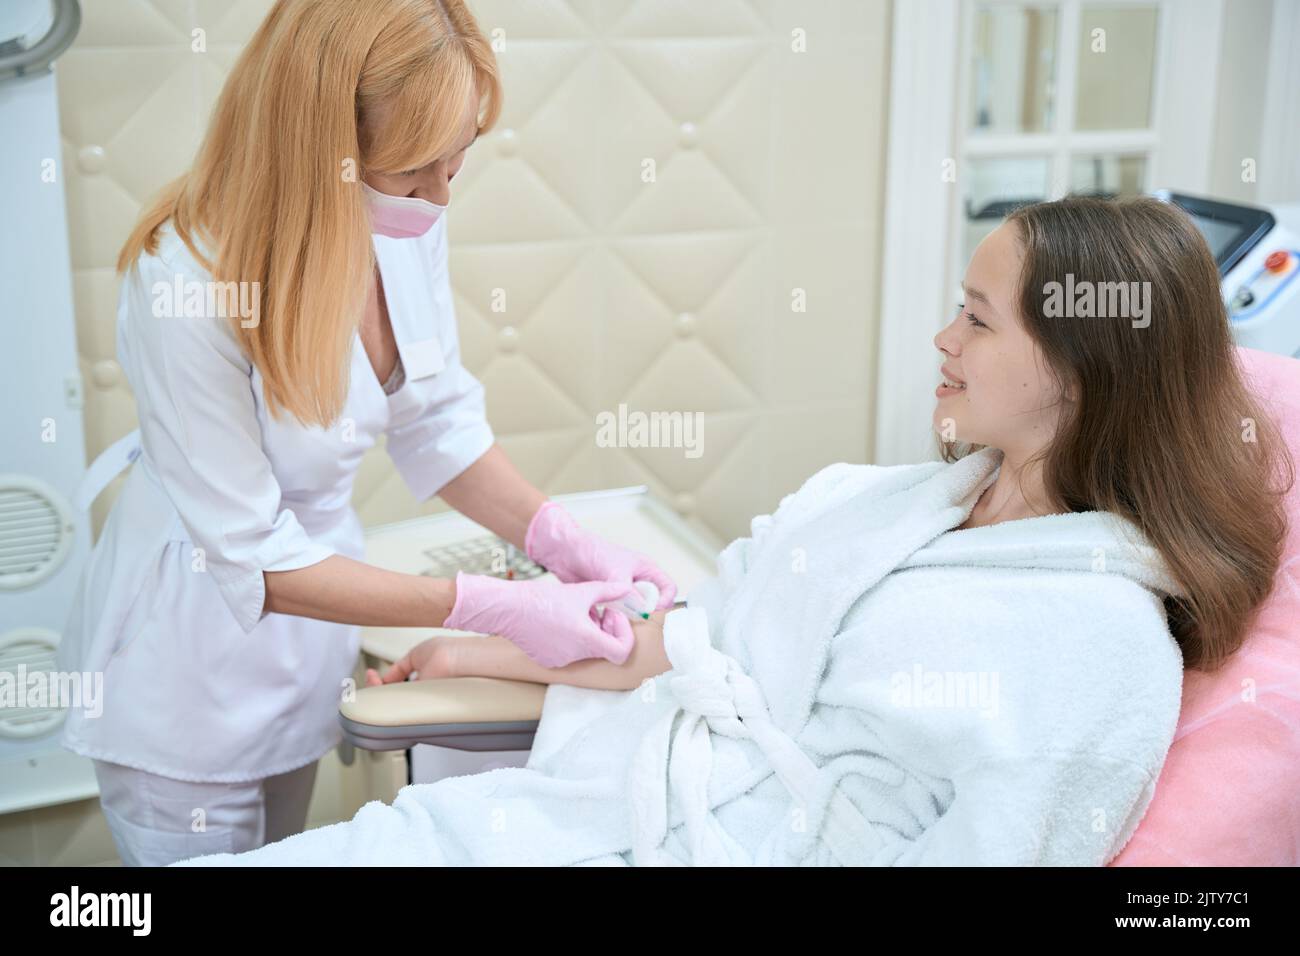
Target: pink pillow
[(1227, 795)]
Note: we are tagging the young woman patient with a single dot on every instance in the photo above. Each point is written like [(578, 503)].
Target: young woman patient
[(1144, 417), (973, 661)]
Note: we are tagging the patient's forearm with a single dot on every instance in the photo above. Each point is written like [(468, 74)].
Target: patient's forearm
[(495, 656)]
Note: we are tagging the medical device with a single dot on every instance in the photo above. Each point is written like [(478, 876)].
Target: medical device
[(1258, 255), (44, 539)]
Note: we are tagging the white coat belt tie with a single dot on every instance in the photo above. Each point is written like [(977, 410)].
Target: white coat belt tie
[(110, 463)]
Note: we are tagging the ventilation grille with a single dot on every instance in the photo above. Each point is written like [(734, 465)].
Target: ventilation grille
[(35, 531), (28, 655)]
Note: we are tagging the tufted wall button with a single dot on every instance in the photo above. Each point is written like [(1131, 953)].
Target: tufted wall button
[(684, 502), (509, 143), (90, 159), (106, 373), (689, 135), (685, 325), (508, 339)]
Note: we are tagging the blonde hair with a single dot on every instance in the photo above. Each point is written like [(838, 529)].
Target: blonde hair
[(275, 189)]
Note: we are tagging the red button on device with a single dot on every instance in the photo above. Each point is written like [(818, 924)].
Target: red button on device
[(1276, 261)]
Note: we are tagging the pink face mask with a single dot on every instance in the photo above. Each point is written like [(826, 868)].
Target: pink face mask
[(400, 217)]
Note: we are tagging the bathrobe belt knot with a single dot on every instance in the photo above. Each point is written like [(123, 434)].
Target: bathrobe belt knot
[(712, 694)]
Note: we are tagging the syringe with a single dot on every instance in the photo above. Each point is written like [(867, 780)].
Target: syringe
[(638, 612)]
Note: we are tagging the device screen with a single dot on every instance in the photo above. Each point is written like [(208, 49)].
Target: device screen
[(1219, 235), (1230, 230)]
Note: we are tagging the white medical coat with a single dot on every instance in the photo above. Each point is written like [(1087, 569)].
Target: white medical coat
[(200, 682)]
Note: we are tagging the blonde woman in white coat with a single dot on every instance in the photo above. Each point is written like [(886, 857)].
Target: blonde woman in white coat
[(224, 599)]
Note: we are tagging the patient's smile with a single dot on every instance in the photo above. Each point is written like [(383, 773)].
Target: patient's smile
[(949, 385)]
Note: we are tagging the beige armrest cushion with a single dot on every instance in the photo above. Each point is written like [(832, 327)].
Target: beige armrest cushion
[(451, 700)]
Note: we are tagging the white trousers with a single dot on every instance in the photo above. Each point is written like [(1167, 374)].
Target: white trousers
[(158, 820)]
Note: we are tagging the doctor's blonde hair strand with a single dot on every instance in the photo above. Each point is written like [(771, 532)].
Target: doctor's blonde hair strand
[(270, 192)]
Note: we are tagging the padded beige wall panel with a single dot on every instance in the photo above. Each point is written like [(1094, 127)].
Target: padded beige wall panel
[(671, 295)]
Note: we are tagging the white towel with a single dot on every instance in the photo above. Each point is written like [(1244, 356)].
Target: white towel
[(857, 685)]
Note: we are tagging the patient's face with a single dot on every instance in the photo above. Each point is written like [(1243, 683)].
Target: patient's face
[(1007, 398)]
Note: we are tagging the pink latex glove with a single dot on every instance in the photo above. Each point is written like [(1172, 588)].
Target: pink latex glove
[(556, 542), (552, 622)]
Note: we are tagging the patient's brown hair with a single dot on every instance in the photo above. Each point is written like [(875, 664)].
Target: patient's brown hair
[(1162, 429)]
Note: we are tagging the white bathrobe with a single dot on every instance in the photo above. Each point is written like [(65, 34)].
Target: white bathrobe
[(858, 685)]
